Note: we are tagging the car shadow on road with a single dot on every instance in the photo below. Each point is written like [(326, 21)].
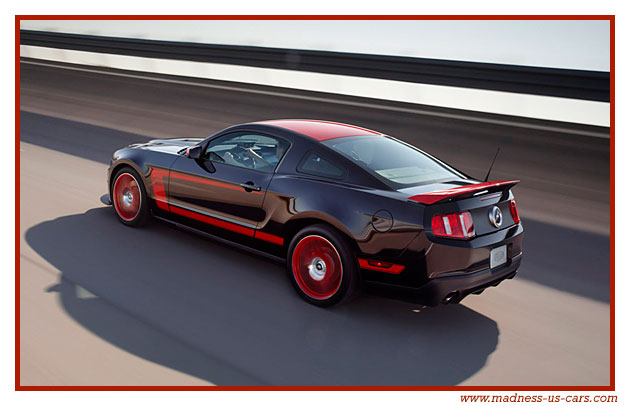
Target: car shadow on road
[(232, 318)]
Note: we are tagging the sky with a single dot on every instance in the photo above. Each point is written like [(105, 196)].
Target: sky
[(548, 43)]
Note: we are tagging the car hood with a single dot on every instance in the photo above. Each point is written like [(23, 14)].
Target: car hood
[(172, 146)]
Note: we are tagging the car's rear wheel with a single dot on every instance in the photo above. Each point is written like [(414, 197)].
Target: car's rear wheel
[(321, 266), (129, 198)]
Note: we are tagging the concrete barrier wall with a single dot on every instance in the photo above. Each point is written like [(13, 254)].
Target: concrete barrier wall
[(488, 101)]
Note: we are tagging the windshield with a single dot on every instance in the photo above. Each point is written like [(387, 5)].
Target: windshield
[(394, 161)]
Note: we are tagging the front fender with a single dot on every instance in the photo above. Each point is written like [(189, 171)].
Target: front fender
[(142, 161)]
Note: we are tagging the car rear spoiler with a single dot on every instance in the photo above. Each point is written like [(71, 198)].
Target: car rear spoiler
[(440, 195)]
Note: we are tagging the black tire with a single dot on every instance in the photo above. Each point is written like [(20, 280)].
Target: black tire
[(129, 215), (312, 246)]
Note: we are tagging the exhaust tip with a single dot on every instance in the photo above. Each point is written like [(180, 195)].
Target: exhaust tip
[(451, 298)]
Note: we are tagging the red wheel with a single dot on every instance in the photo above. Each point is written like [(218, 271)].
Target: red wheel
[(317, 267), (322, 266), (127, 197)]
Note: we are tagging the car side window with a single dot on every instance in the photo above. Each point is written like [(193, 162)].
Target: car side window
[(247, 150), (315, 164)]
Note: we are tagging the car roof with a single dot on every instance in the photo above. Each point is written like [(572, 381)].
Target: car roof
[(320, 130)]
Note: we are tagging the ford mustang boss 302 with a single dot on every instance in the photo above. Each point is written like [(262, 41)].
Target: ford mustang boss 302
[(343, 206)]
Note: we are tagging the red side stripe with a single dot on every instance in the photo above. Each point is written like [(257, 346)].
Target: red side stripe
[(269, 238), (158, 177), (213, 221), (196, 179), (393, 268)]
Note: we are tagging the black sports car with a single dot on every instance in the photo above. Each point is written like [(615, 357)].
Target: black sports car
[(344, 206)]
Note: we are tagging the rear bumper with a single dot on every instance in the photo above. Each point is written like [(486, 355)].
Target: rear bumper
[(451, 289)]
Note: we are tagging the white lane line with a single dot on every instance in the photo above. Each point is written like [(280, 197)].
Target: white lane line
[(333, 101)]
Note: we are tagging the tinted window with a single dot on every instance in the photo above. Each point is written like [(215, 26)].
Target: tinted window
[(315, 164), (247, 150), (393, 161)]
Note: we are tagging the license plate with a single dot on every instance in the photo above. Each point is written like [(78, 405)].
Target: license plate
[(498, 256)]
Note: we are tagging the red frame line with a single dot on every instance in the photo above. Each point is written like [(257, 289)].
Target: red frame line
[(610, 18), (315, 17)]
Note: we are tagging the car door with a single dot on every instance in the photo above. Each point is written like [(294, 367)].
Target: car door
[(226, 186)]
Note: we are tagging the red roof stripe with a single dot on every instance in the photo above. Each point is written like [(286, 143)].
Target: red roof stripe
[(320, 130)]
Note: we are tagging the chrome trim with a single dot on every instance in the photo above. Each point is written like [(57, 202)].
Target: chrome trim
[(491, 196), (447, 225), (495, 216), (127, 198), (249, 187), (317, 269), (212, 215)]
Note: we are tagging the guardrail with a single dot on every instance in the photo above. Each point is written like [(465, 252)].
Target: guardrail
[(566, 83)]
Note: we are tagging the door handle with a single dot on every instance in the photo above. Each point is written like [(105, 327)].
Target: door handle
[(249, 186)]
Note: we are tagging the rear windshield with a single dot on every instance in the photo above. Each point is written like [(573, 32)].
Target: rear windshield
[(399, 164)]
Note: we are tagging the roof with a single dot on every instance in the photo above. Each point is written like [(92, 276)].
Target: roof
[(320, 130)]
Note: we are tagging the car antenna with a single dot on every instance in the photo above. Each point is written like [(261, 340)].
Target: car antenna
[(492, 164)]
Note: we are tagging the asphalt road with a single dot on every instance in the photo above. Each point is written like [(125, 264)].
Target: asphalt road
[(106, 304)]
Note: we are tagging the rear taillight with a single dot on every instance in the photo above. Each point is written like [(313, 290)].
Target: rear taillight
[(514, 211), (454, 225)]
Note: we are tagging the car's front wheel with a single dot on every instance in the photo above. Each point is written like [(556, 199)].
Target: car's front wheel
[(321, 266), (129, 198)]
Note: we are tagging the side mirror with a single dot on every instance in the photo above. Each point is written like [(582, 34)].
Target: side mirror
[(194, 152)]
